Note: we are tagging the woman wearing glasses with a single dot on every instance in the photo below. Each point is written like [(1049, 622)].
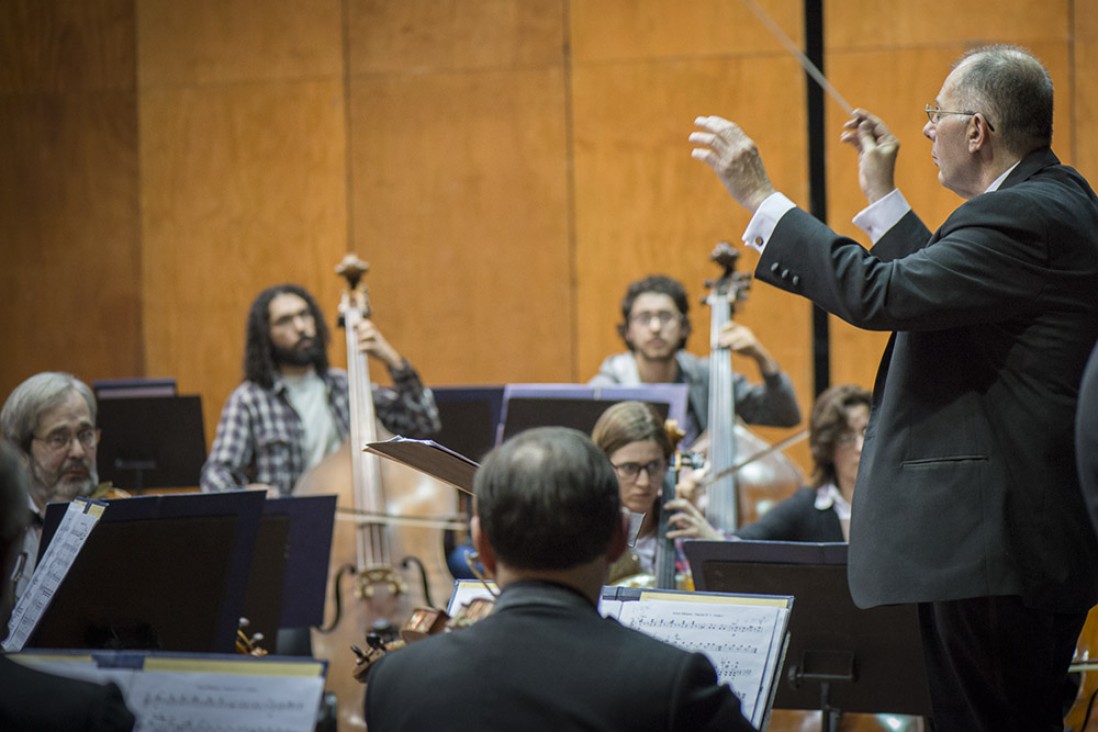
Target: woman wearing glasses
[(634, 437), (821, 511)]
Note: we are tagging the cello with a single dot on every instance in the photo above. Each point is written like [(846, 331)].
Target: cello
[(372, 557)]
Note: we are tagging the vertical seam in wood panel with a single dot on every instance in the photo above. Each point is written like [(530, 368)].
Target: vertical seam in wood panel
[(570, 185), (1073, 125), (348, 136), (139, 209)]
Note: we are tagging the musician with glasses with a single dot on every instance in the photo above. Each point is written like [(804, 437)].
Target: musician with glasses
[(50, 419), (636, 441), (968, 496), (655, 326)]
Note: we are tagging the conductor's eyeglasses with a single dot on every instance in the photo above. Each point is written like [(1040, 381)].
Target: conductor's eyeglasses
[(935, 113), (632, 471), (663, 317), (58, 441)]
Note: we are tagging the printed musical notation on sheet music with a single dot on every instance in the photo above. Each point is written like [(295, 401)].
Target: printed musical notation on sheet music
[(737, 639), (76, 525), (214, 702)]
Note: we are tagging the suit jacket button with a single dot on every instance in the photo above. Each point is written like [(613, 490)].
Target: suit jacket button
[(796, 280), (785, 274), (775, 267)]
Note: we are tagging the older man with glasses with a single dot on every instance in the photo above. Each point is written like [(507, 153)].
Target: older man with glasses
[(968, 500), (50, 419)]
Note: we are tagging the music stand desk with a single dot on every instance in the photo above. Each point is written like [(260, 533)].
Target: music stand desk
[(151, 441), (163, 572), (841, 658)]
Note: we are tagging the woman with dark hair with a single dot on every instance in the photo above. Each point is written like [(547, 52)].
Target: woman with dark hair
[(821, 511)]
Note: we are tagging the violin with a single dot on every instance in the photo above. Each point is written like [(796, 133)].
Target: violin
[(425, 622)]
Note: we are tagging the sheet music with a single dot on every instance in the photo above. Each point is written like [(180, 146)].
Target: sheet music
[(742, 641), (211, 695), (79, 520), (177, 702)]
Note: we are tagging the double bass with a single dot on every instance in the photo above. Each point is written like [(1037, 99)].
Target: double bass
[(735, 496), (380, 565)]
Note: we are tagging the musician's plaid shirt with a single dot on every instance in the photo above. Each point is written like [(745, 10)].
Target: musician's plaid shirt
[(259, 437)]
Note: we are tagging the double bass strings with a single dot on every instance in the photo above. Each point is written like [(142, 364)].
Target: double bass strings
[(809, 67)]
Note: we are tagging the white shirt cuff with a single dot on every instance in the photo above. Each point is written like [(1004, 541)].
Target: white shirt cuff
[(765, 220), (878, 217)]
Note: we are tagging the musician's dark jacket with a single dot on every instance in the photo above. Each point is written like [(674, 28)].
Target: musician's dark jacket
[(546, 660), (967, 485), (796, 519), (34, 701)]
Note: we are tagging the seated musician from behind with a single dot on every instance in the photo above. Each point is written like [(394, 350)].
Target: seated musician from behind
[(548, 525), (821, 512), (293, 409), (634, 437)]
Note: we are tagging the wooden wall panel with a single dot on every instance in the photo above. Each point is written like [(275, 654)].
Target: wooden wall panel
[(243, 176), (617, 30), (460, 168), (460, 206), (1082, 127), (214, 42), (870, 24), (400, 37), (66, 46), (68, 190)]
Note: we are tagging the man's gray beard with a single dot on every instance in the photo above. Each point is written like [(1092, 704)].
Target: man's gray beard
[(63, 491)]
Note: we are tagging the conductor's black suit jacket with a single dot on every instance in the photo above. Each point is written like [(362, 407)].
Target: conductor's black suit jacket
[(545, 660), (968, 485)]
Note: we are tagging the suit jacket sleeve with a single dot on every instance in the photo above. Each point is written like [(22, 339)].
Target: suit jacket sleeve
[(701, 705), (987, 263)]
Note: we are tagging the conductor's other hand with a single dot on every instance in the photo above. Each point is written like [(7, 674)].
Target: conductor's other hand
[(735, 159), (877, 150)]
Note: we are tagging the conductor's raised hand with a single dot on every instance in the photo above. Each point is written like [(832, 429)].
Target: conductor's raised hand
[(733, 156), (877, 150)]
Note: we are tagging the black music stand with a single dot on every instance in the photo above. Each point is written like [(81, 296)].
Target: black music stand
[(166, 572), (289, 574), (151, 441), (841, 658), (470, 418), (579, 406)]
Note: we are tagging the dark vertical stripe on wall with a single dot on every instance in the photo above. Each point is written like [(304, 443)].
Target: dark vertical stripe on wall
[(817, 186)]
